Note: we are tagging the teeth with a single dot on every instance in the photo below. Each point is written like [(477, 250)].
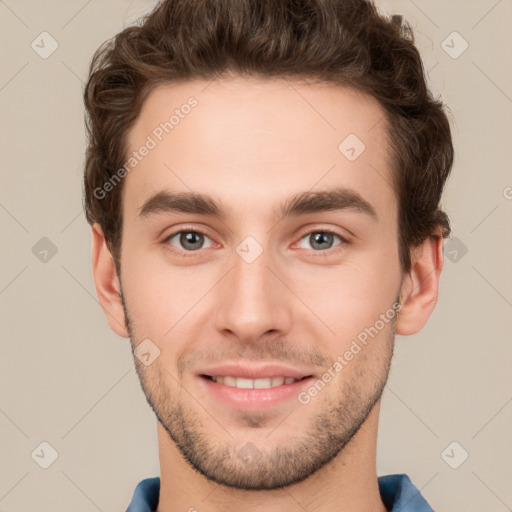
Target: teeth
[(230, 381), (276, 381), (244, 383)]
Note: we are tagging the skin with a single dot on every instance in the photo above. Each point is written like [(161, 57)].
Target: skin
[(251, 144)]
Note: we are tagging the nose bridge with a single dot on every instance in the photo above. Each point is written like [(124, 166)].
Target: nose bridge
[(252, 301)]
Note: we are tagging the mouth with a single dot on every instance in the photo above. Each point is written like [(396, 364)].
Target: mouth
[(253, 394)]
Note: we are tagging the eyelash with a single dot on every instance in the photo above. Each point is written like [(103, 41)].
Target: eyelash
[(191, 254)]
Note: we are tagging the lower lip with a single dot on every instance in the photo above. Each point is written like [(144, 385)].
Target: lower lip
[(254, 399)]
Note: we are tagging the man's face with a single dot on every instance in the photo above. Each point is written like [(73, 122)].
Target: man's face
[(255, 293)]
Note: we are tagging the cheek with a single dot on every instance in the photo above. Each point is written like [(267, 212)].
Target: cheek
[(158, 294), (350, 297)]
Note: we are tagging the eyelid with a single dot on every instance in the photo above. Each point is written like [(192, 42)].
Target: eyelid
[(319, 228), (186, 229)]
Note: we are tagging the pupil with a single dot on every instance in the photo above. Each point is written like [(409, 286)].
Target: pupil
[(188, 239), (320, 238)]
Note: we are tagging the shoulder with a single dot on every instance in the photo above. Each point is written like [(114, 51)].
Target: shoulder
[(146, 495), (399, 494)]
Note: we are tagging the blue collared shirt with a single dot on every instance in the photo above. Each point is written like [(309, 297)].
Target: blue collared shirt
[(397, 492)]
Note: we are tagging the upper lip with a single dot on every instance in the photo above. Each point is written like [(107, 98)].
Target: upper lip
[(260, 371)]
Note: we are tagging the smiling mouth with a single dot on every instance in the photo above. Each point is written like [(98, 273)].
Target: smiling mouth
[(246, 383)]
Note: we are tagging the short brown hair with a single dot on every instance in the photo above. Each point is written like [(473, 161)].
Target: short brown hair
[(346, 42)]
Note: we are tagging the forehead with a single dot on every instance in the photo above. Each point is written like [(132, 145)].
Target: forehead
[(250, 141)]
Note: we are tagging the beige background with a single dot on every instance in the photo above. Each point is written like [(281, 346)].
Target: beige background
[(67, 380)]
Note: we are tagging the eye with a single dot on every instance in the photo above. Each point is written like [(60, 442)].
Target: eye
[(189, 240), (321, 240), (192, 240)]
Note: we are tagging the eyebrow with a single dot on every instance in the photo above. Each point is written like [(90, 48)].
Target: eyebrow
[(337, 199)]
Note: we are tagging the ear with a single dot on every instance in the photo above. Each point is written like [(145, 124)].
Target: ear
[(107, 283), (420, 287)]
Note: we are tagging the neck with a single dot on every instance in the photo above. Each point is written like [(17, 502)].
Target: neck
[(347, 483)]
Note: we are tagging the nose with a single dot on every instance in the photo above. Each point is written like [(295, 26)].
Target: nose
[(252, 300)]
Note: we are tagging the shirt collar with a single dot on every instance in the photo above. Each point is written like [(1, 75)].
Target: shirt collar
[(397, 492)]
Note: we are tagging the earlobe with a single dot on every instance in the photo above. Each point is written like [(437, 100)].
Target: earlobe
[(107, 283), (420, 287)]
